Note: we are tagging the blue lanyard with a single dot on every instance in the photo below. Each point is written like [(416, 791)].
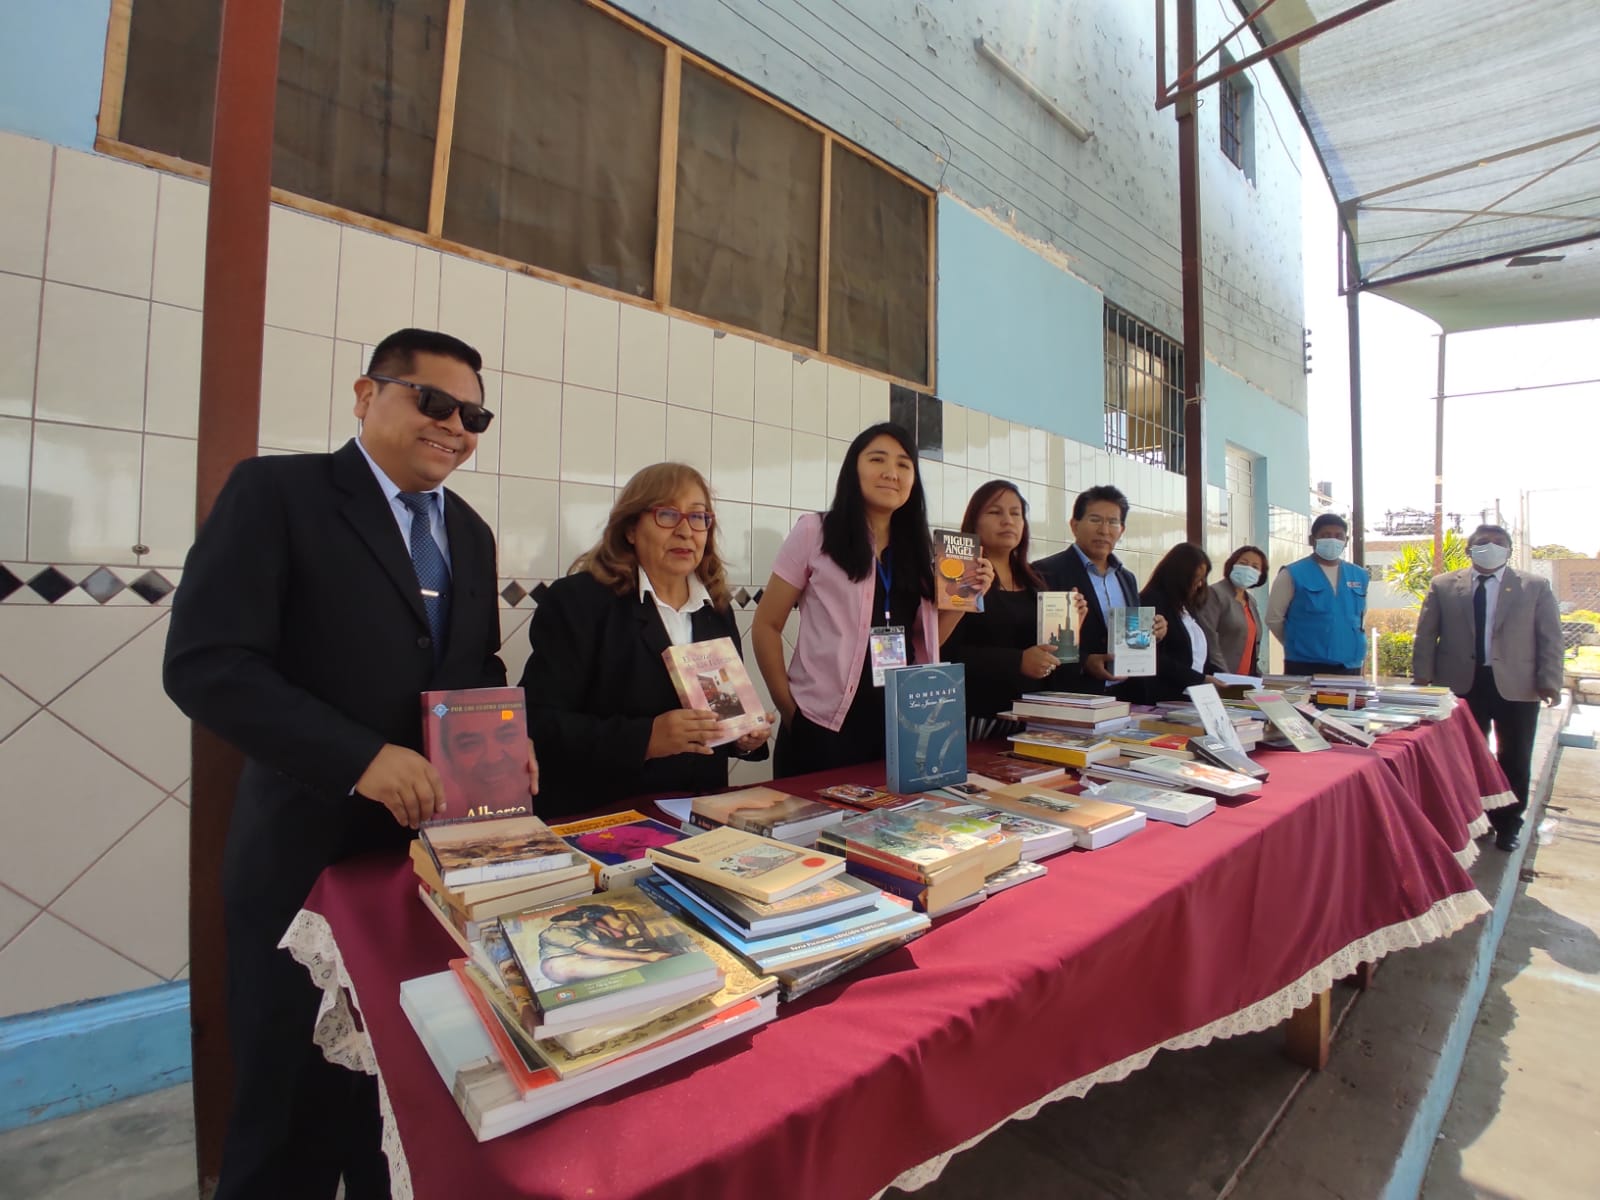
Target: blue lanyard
[(885, 577)]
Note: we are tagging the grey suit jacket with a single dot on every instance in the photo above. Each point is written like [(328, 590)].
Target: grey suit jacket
[(1525, 649), (1225, 626)]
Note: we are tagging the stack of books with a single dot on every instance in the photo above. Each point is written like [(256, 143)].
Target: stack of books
[(786, 912), (764, 811), (1002, 768), (1040, 839), (560, 1003), (1179, 776), (1137, 742), (1156, 803), (1095, 823), (937, 860), (473, 872), (1065, 749), (1426, 703), (1070, 712)]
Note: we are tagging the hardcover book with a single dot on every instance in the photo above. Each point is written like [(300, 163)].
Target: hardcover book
[(489, 848), (615, 844), (1133, 642), (604, 955), (1288, 721), (477, 739), (925, 719), (1058, 624), (710, 676), (753, 866), (955, 571)]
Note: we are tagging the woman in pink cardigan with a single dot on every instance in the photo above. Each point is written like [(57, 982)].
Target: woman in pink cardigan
[(861, 575)]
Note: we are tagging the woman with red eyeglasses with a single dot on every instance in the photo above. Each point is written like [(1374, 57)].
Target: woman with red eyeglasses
[(602, 710)]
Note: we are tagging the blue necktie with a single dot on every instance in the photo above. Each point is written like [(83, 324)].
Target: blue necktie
[(433, 575), (1480, 620)]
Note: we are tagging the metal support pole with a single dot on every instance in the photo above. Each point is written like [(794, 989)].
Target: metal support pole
[(1194, 325), (1358, 501), (235, 300), (1438, 467)]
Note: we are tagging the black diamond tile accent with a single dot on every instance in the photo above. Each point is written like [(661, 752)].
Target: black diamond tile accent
[(539, 589), (151, 586), (51, 584), (742, 596), (514, 593), (102, 584), (9, 583), (759, 593)]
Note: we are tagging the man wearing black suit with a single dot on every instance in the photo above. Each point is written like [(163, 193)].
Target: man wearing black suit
[(322, 595), (1088, 566)]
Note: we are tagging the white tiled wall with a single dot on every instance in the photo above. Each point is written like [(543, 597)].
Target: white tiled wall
[(101, 268)]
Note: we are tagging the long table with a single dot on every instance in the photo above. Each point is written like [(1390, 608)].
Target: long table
[(1168, 939)]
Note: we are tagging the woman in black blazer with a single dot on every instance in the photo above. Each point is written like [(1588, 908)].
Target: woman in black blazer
[(1176, 589), (602, 710)]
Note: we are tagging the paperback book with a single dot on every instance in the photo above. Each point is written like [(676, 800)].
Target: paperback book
[(614, 845), (1003, 768), (1069, 749), (925, 726), (1218, 753), (1288, 721), (1133, 642), (1214, 718), (490, 848), (1058, 624), (1159, 804), (919, 840), (766, 811), (832, 898), (858, 795), (955, 570), (746, 863), (1094, 822), (1336, 728), (710, 676), (477, 739), (1198, 775)]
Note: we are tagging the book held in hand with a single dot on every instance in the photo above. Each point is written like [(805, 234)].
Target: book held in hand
[(1058, 624), (710, 676), (925, 726), (477, 739), (1133, 642), (955, 571)]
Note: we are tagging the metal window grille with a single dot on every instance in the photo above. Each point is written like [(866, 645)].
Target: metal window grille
[(1144, 392), (1233, 121)]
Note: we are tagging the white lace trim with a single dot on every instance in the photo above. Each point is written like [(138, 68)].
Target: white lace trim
[(1467, 856), (1440, 921), (1479, 827), (344, 1043), (1499, 800)]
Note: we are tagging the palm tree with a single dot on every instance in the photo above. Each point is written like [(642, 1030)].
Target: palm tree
[(1412, 572)]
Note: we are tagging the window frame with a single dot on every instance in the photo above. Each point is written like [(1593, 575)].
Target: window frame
[(1139, 335), (107, 141)]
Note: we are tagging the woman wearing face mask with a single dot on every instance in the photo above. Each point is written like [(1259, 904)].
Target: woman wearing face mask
[(1176, 590), (1000, 646), (1229, 614), (861, 575)]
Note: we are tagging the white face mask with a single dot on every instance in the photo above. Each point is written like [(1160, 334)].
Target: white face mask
[(1329, 549), (1491, 556), (1243, 576)]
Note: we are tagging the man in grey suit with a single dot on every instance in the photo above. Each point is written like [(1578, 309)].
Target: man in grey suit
[(1493, 637)]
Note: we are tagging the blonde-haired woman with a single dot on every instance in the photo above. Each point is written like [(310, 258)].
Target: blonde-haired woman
[(601, 707)]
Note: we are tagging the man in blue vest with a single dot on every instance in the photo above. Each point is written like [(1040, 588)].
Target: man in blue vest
[(1318, 604)]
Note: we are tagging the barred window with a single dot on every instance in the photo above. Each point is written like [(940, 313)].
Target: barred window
[(1144, 392), (1237, 103)]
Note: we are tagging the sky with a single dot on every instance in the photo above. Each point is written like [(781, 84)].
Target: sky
[(1545, 443)]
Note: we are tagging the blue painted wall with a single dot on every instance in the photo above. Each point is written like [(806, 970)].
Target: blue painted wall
[(52, 53), (1245, 416), (1018, 336)]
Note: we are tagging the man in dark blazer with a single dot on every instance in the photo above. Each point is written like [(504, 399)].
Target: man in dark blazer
[(1493, 637), (322, 595), (1099, 516)]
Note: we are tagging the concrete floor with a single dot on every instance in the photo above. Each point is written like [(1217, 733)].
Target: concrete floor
[(1233, 1119)]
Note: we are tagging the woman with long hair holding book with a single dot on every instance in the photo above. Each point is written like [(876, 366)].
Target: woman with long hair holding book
[(1001, 647), (1177, 591), (862, 576), (602, 706)]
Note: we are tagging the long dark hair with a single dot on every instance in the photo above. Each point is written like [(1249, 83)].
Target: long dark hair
[(1021, 569), (845, 537), (1173, 577)]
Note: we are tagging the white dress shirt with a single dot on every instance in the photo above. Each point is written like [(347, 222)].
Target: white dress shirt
[(1197, 641), (679, 621), (1491, 597)]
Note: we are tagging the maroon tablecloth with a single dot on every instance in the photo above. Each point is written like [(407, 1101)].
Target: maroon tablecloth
[(1446, 768), (1170, 938)]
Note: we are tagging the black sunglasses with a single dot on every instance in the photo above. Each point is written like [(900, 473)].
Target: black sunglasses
[(438, 404)]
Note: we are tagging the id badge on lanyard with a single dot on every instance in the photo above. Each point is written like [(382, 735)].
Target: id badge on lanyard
[(886, 643)]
